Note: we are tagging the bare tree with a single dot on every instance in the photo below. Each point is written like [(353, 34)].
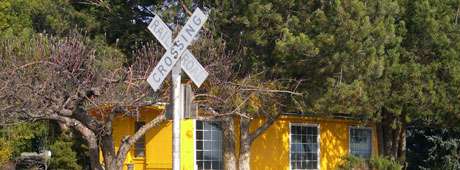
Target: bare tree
[(69, 80), (84, 87), (231, 94), (249, 99)]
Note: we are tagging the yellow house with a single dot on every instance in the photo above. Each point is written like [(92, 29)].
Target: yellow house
[(292, 142)]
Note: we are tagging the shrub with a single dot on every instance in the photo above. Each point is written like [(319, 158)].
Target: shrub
[(382, 163), (63, 157), (352, 162)]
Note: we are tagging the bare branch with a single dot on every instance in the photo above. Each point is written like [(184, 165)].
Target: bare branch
[(185, 8), (268, 122), (98, 3), (128, 141), (272, 91)]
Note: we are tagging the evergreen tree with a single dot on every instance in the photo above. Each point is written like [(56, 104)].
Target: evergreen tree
[(433, 148), (63, 157), (395, 61), (25, 17)]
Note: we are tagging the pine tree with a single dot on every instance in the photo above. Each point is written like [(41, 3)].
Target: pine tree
[(395, 61), (63, 157)]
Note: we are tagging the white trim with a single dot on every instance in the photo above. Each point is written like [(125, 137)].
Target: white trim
[(349, 137), (319, 147), (318, 136)]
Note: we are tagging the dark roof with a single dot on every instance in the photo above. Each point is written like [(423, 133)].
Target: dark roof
[(346, 116)]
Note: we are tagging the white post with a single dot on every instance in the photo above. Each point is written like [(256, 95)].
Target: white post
[(177, 112)]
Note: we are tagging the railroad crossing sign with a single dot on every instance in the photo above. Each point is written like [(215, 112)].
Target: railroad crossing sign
[(177, 50)]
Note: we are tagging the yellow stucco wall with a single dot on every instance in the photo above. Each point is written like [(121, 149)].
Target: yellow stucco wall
[(271, 149), (158, 142), (123, 127)]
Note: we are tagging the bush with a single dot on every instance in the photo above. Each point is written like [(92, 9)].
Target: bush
[(352, 162), (382, 163), (62, 155)]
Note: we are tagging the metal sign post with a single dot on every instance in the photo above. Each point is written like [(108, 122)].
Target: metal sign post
[(177, 114), (176, 58)]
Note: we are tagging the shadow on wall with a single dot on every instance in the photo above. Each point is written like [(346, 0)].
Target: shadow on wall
[(334, 144), (271, 149), (158, 146)]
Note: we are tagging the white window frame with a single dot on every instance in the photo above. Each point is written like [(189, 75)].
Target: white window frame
[(318, 152), (195, 166), (349, 138)]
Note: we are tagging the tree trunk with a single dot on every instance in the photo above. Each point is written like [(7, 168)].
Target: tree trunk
[(228, 125), (395, 141), (86, 133), (245, 145), (94, 155), (245, 154), (394, 135), (402, 145), (401, 150), (108, 151), (247, 137), (388, 133)]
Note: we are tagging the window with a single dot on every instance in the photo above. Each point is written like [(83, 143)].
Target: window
[(139, 147), (360, 142), (304, 147), (208, 145)]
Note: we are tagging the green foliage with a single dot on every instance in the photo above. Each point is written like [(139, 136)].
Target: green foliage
[(433, 148), (107, 57), (380, 163), (35, 137), (63, 157), (24, 17), (353, 162), (27, 137), (123, 23), (22, 137), (375, 163), (353, 56)]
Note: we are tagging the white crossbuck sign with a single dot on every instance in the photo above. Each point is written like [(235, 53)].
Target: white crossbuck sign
[(177, 50)]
